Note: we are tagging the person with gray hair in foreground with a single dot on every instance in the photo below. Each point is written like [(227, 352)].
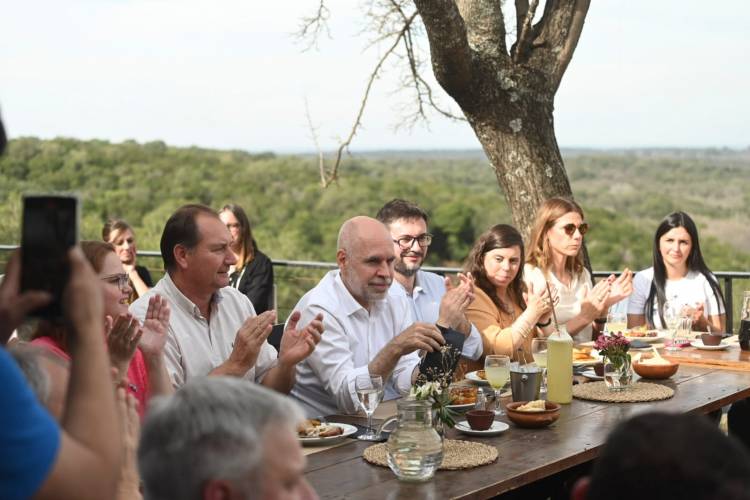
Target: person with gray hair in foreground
[(222, 437)]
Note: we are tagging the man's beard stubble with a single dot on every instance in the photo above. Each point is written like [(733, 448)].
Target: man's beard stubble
[(401, 268)]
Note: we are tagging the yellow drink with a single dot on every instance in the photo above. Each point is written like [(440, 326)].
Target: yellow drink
[(560, 367), (497, 376), (540, 358)]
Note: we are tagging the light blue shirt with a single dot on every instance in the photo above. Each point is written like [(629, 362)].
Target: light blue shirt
[(424, 301)]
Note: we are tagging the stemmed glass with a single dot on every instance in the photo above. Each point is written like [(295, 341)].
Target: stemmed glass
[(539, 351), (497, 370), (616, 322), (369, 392)]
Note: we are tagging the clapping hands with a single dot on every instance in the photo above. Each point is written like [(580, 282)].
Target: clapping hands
[(155, 326), (297, 344), (454, 303)]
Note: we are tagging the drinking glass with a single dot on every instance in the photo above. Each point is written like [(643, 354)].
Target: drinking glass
[(369, 392), (616, 322), (681, 333), (539, 351), (497, 370)]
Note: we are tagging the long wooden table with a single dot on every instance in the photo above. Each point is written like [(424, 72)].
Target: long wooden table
[(525, 455)]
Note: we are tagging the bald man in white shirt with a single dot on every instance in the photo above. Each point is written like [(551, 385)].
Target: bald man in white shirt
[(367, 330)]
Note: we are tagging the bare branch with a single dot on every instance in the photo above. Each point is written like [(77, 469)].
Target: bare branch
[(575, 28), (485, 26), (311, 27), (522, 7), (523, 42), (451, 54), (314, 135), (332, 175)]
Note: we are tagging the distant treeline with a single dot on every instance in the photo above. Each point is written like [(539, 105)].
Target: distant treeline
[(624, 195)]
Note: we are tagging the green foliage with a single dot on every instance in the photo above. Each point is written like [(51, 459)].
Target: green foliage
[(624, 196)]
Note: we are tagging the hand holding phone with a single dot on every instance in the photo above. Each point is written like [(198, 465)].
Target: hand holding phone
[(50, 230)]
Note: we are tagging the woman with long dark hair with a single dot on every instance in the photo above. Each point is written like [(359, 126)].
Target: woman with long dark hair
[(253, 273), (504, 311), (556, 257), (680, 276)]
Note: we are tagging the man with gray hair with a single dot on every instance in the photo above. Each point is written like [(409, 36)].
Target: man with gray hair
[(368, 331), (222, 437)]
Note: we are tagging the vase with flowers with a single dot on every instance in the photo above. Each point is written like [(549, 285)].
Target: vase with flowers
[(432, 385), (618, 372)]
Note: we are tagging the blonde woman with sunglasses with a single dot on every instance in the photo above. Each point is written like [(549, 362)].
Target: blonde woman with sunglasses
[(555, 256)]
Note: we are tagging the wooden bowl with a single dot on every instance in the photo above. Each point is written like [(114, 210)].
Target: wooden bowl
[(656, 372), (533, 419)]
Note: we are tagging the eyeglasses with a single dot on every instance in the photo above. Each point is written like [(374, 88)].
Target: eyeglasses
[(406, 242), (121, 280), (570, 229)]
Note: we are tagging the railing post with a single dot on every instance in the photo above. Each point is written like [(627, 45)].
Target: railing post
[(728, 305)]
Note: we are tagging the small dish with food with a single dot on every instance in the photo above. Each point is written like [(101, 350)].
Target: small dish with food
[(533, 414)]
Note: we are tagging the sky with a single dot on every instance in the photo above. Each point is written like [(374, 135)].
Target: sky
[(230, 74)]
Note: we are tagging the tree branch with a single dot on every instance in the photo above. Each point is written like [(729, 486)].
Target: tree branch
[(523, 42), (449, 47), (311, 27), (522, 7), (314, 134), (485, 26), (331, 176), (575, 27)]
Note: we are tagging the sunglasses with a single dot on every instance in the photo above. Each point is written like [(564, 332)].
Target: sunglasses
[(570, 229), (406, 242)]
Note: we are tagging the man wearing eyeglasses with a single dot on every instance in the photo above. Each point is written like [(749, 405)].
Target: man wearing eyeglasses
[(433, 299)]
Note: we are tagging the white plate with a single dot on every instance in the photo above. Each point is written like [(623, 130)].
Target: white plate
[(698, 344), (591, 375), (586, 362), (497, 428), (461, 408), (650, 340), (325, 441), (476, 378)]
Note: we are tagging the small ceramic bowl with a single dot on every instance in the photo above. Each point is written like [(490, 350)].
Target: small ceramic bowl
[(711, 339), (533, 419), (656, 372), (599, 369), (480, 420)]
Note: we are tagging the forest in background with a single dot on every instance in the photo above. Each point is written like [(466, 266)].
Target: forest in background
[(624, 194)]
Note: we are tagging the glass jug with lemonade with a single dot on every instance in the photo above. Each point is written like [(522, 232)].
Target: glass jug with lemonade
[(560, 367)]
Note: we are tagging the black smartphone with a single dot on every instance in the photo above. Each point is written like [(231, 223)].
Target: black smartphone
[(443, 363), (50, 229)]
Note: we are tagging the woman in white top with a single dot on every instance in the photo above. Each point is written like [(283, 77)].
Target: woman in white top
[(679, 275), (555, 256)]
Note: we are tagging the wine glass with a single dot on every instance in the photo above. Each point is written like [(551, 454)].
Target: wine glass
[(497, 371), (369, 392), (616, 322), (539, 352)]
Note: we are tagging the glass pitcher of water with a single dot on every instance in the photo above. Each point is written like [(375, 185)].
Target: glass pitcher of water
[(414, 449)]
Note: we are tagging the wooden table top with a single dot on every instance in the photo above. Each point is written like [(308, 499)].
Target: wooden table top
[(525, 455)]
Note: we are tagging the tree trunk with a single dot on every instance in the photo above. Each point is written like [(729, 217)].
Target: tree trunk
[(523, 151), (508, 95)]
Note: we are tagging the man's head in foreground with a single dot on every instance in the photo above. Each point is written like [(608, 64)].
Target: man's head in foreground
[(222, 438)]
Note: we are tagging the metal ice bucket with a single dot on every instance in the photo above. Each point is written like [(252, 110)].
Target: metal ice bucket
[(525, 382)]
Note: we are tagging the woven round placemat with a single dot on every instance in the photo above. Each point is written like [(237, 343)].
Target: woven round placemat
[(456, 455), (636, 393)]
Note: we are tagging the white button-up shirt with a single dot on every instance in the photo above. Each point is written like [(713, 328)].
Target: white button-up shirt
[(429, 289), (195, 345), (352, 338)]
